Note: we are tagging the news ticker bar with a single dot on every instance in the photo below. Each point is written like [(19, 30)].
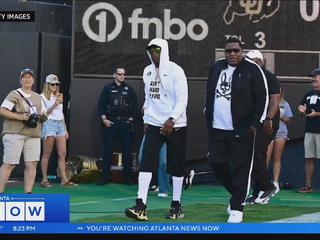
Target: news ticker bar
[(17, 16), (151, 228)]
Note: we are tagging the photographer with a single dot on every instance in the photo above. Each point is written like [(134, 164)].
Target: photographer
[(23, 113), (54, 131)]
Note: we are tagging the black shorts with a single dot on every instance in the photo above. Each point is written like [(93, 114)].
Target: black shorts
[(176, 150)]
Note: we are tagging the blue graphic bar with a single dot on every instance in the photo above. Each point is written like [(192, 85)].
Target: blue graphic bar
[(163, 228), (43, 208)]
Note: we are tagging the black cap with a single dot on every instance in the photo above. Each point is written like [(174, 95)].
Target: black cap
[(314, 72), (26, 70)]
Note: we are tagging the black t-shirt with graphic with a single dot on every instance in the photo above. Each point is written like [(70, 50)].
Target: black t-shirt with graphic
[(312, 101)]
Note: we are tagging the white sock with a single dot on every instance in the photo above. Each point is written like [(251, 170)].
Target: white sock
[(144, 180), (177, 188)]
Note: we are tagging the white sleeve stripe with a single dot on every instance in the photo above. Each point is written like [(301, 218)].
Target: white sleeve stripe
[(7, 104), (264, 114)]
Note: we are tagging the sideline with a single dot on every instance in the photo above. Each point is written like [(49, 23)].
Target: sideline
[(305, 218), (83, 203)]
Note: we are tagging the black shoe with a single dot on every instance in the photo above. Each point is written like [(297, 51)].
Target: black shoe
[(102, 182), (251, 200), (175, 211), (189, 179), (264, 196), (154, 188), (138, 212)]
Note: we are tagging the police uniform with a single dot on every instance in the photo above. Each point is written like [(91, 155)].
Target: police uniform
[(118, 104)]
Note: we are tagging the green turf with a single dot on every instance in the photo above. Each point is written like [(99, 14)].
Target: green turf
[(201, 203), (204, 213)]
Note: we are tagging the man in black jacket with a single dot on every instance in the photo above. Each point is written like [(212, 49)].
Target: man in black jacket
[(263, 188), (236, 105)]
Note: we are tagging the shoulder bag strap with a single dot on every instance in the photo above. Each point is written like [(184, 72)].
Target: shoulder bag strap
[(26, 100)]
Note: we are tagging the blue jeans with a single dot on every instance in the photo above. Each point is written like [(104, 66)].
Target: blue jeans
[(163, 177)]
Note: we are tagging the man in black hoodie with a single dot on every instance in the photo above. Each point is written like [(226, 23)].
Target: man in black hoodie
[(236, 105)]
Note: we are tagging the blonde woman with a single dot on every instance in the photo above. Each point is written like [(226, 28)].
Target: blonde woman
[(276, 147), (54, 131)]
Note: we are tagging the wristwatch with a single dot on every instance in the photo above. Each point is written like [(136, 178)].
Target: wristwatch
[(172, 119), (267, 118)]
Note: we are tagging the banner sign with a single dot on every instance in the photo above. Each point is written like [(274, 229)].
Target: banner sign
[(114, 33)]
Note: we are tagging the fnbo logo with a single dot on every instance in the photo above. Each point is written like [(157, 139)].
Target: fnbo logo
[(102, 36), (197, 29)]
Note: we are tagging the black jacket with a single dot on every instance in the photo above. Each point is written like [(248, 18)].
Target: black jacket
[(118, 101), (249, 93)]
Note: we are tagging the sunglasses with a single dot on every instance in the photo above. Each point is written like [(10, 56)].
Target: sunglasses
[(230, 50), (54, 84), (155, 50), (121, 74)]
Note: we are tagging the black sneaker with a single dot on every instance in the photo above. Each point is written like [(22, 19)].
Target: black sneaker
[(251, 200), (175, 212), (154, 188), (138, 212), (264, 196), (189, 179)]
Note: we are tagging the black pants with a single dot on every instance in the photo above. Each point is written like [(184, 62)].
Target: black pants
[(120, 129), (230, 157), (260, 173), (176, 151)]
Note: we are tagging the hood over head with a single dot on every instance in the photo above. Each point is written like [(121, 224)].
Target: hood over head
[(164, 54)]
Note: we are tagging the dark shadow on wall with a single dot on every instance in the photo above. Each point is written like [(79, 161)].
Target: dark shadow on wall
[(292, 168)]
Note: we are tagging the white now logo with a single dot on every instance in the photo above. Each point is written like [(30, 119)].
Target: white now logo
[(22, 211), (162, 28), (102, 18)]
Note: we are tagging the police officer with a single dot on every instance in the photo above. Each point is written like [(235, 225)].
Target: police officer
[(117, 108)]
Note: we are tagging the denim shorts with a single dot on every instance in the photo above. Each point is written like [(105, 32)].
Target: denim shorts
[(53, 128)]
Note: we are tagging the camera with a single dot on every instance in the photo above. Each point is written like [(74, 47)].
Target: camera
[(32, 121)]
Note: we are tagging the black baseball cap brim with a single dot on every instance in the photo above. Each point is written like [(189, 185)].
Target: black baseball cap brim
[(152, 46), (25, 71)]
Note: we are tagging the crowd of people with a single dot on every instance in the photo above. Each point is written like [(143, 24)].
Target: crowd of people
[(246, 114)]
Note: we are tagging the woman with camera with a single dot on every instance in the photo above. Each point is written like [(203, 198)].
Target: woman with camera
[(54, 131), (23, 113)]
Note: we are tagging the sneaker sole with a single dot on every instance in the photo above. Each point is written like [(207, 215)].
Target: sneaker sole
[(250, 203), (175, 216), (131, 214), (265, 200)]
